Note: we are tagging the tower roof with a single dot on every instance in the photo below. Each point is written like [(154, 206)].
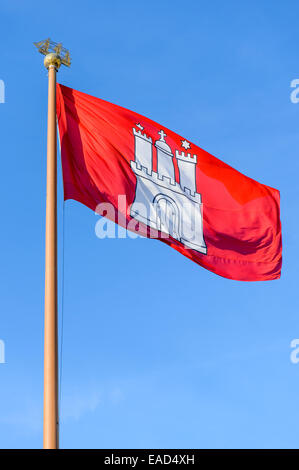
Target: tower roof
[(161, 144)]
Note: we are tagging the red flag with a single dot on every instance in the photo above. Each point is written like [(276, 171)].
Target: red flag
[(163, 186)]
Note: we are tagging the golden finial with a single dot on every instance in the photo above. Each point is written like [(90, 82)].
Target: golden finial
[(52, 59), (54, 52)]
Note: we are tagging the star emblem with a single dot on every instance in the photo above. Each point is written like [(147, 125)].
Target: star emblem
[(140, 126), (185, 144)]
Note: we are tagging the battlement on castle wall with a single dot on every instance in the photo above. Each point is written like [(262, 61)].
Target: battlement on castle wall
[(186, 158), (164, 182), (143, 136)]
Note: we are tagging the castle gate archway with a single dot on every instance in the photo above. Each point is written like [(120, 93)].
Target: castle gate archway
[(167, 214)]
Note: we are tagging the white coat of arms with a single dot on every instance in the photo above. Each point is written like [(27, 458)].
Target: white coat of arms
[(162, 203)]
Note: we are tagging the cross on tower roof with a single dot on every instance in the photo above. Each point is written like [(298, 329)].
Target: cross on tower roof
[(163, 135)]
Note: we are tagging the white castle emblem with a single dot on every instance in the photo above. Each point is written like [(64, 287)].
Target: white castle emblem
[(162, 203)]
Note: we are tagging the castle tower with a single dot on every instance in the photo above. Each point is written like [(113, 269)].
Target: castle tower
[(165, 158), (187, 166), (143, 151)]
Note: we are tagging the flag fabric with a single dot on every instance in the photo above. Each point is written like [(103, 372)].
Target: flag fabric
[(157, 183)]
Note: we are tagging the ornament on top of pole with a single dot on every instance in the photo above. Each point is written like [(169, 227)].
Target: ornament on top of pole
[(54, 53)]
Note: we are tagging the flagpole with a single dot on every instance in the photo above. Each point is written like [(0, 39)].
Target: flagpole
[(55, 56), (51, 438)]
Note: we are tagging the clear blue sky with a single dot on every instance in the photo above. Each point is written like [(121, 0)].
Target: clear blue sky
[(157, 351)]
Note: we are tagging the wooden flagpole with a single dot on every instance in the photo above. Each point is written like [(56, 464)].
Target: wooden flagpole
[(52, 62)]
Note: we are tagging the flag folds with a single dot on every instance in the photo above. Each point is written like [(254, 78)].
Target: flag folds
[(156, 183)]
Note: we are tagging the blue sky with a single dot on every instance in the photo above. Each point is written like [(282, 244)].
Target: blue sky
[(157, 352)]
